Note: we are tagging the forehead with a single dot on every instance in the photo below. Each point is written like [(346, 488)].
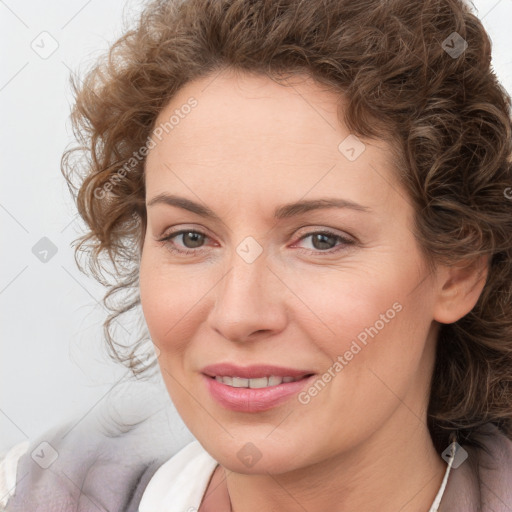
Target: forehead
[(262, 134), (252, 107)]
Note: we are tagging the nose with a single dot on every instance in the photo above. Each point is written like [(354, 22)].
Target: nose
[(249, 302)]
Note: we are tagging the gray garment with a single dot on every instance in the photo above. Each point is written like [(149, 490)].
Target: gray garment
[(105, 460), (109, 472), (103, 475), (483, 482)]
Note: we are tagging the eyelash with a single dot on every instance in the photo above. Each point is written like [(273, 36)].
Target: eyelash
[(167, 241)]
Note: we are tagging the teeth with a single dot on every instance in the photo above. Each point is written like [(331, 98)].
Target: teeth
[(274, 381), (260, 382), (238, 382)]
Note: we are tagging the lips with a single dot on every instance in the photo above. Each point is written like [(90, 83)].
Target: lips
[(241, 388)]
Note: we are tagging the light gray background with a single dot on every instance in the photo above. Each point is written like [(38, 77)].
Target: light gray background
[(53, 365)]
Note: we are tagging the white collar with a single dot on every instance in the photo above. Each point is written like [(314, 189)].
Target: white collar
[(180, 483)]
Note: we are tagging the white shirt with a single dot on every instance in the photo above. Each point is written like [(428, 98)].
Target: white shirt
[(177, 486)]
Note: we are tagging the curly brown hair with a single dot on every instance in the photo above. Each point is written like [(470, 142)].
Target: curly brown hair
[(415, 72)]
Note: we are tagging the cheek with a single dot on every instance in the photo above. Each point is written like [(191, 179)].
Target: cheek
[(369, 320), (173, 300), (374, 359), (381, 345), (346, 307), (162, 304)]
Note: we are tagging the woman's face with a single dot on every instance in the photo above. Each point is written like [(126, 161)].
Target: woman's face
[(340, 292)]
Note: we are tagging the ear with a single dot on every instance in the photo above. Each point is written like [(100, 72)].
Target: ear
[(458, 289)]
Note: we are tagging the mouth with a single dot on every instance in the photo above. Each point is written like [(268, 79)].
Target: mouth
[(255, 371), (256, 383), (254, 388)]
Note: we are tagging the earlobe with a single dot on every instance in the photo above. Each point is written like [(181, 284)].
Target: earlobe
[(459, 288)]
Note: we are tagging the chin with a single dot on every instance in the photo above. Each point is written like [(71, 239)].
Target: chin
[(255, 457)]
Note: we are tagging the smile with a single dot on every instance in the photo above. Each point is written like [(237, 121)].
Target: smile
[(255, 394), (261, 382)]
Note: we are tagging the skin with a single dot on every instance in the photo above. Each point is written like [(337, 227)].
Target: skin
[(250, 146)]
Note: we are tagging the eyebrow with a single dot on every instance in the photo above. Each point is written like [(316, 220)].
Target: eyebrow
[(282, 212)]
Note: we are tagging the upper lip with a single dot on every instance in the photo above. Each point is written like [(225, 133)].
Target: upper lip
[(253, 371)]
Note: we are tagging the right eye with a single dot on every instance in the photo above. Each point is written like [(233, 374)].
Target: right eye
[(188, 236)]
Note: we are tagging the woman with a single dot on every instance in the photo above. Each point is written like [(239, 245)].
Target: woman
[(310, 201)]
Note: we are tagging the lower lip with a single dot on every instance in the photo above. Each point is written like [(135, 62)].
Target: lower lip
[(254, 399)]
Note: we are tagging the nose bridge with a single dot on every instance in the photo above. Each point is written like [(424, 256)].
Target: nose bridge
[(245, 282), (247, 299), (248, 271)]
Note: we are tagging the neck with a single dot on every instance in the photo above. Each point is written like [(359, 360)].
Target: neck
[(399, 457)]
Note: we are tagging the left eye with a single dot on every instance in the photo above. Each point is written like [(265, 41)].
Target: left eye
[(322, 241)]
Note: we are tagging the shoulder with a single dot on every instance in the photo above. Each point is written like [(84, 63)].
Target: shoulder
[(481, 478), (495, 469), (100, 461)]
